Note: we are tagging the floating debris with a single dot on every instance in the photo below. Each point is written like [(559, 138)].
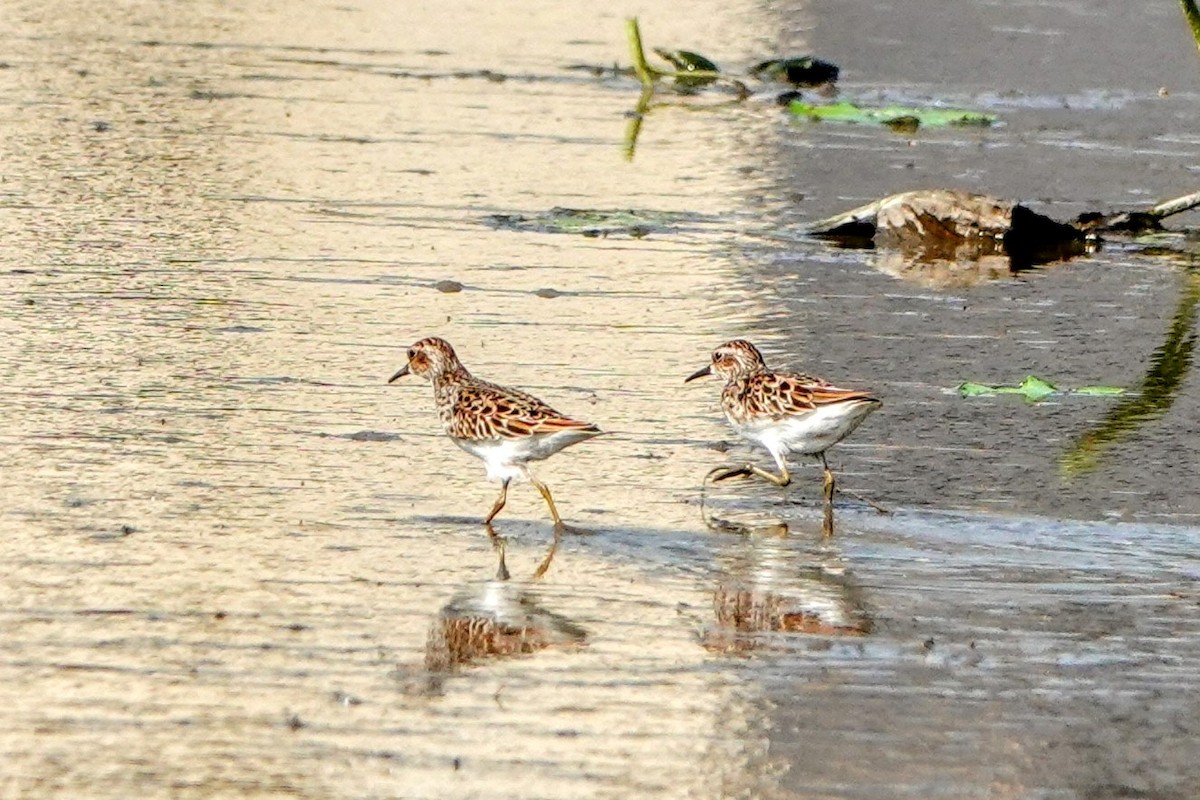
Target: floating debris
[(946, 224), (686, 63), (947, 238), (799, 71)]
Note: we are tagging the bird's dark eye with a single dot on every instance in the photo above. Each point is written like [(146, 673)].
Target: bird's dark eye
[(411, 354)]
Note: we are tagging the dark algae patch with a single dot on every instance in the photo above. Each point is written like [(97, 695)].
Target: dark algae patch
[(595, 222)]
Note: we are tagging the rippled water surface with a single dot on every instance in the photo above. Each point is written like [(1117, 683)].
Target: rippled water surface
[(238, 564)]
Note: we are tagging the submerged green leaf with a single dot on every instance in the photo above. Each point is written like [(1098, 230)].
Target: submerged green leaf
[(969, 389), (896, 116), (1033, 389)]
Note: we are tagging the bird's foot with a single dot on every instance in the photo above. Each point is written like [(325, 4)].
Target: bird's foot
[(719, 474)]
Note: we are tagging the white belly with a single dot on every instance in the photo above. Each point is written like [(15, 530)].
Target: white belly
[(505, 459), (811, 433)]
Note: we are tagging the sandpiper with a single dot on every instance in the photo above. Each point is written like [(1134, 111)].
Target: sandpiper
[(504, 427), (784, 412)]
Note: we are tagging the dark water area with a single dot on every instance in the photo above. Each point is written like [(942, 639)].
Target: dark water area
[(1112, 319), (239, 564)]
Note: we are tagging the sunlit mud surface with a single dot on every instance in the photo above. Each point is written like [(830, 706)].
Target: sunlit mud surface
[(238, 564)]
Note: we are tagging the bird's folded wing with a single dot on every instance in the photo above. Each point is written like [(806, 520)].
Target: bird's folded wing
[(497, 412), (798, 394)]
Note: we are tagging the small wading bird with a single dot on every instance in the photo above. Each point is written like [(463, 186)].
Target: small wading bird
[(504, 427), (784, 412)]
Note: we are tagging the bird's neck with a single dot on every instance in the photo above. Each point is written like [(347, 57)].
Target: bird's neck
[(746, 375), (450, 377)]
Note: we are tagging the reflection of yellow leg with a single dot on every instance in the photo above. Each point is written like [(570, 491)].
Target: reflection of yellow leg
[(545, 490), (499, 504), (498, 543), (545, 565)]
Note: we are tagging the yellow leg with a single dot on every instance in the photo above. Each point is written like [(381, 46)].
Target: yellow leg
[(499, 504), (830, 487), (545, 490), (830, 480)]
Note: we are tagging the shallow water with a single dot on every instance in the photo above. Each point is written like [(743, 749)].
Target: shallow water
[(233, 553)]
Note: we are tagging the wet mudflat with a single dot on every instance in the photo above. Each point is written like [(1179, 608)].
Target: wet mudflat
[(238, 564)]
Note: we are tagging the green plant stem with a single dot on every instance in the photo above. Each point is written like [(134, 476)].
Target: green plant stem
[(645, 73), (648, 75), (1193, 17)]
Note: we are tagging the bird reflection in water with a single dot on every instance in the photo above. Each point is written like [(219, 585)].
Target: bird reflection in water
[(769, 585), (499, 619)]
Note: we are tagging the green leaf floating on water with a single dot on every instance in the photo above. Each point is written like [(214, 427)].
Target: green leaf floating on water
[(897, 116), (969, 389), (1033, 389)]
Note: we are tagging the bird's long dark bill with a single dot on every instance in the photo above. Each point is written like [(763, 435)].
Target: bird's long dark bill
[(403, 371), (700, 373)]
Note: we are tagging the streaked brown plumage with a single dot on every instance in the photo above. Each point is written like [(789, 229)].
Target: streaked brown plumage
[(785, 412), (780, 394), (505, 427)]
